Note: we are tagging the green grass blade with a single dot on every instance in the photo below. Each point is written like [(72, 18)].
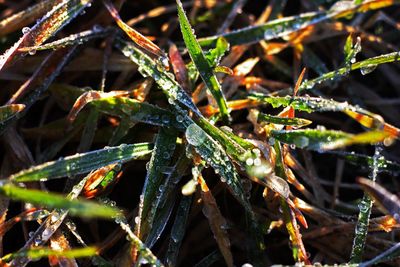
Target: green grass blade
[(164, 79), (160, 159), (283, 121), (324, 140), (308, 104), (365, 66), (144, 252), (365, 207), (178, 230), (82, 163), (284, 26), (137, 111), (82, 208), (38, 253), (201, 62), (364, 161)]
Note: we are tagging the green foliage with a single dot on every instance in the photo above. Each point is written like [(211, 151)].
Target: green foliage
[(128, 122)]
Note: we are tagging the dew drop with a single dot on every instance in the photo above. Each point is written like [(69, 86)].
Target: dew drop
[(368, 69), (195, 135), (25, 30)]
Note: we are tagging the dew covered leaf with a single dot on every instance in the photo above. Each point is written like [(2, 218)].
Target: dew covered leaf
[(41, 252), (312, 104), (82, 163), (299, 122), (365, 162), (284, 26), (135, 36), (328, 139), (83, 208), (200, 61), (59, 16), (164, 79), (137, 111), (160, 159)]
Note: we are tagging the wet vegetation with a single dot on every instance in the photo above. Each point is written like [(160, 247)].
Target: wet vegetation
[(199, 133)]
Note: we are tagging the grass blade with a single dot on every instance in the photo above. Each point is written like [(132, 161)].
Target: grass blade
[(328, 139), (81, 208), (199, 59), (38, 253), (148, 67), (61, 14), (285, 26), (9, 113), (82, 163), (161, 156)]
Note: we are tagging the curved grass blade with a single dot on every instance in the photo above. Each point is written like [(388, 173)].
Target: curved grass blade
[(136, 36), (386, 201), (166, 81), (144, 252), (199, 59), (73, 39), (26, 17), (326, 140), (282, 121), (138, 111), (365, 66), (167, 198), (311, 104), (41, 252), (81, 208), (161, 156), (365, 162), (178, 230), (285, 26), (388, 255), (47, 26), (82, 163)]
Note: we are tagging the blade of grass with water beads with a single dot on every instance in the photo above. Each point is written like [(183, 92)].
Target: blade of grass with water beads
[(83, 163), (165, 79), (41, 252), (26, 17), (329, 139), (164, 148), (178, 230), (134, 110), (284, 26), (135, 36), (82, 208), (61, 14), (201, 62)]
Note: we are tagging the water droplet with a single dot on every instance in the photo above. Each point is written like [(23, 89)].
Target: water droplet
[(249, 161), (25, 30), (195, 135), (368, 69), (189, 188), (301, 141), (32, 52), (179, 118)]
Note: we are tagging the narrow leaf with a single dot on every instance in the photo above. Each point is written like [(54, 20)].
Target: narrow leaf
[(199, 59), (81, 208), (82, 163)]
